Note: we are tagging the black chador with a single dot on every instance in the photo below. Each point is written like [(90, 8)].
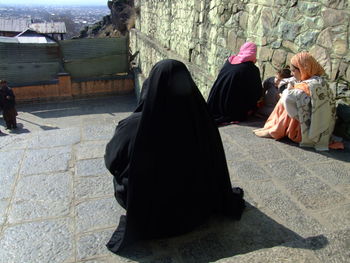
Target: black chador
[(235, 92), (168, 162)]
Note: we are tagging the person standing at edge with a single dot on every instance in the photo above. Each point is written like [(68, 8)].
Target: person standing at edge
[(7, 101), (237, 88)]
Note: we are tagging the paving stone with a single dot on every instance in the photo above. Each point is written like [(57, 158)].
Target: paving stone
[(271, 197), (305, 155), (90, 150), (266, 152), (335, 173), (91, 167), (3, 206), (63, 137), (101, 132), (47, 196), (97, 214), (10, 142), (247, 170), (46, 160), (205, 249), (314, 194), (255, 231), (244, 136), (337, 218), (91, 187), (37, 242), (287, 170), (9, 167), (337, 249), (93, 244), (274, 255), (234, 151)]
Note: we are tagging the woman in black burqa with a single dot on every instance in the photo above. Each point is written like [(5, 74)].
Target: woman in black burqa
[(168, 162), (237, 88)]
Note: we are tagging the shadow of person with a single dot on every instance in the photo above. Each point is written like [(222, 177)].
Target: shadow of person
[(222, 238), (19, 129)]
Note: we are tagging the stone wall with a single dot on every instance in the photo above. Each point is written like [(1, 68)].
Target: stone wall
[(202, 33)]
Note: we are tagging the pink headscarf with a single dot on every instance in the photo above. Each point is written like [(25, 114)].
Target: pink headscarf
[(246, 53)]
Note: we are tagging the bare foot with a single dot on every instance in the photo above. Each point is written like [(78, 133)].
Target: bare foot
[(259, 129), (263, 134)]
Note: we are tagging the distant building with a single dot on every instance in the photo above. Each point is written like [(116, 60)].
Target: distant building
[(30, 36), (55, 29), (14, 27)]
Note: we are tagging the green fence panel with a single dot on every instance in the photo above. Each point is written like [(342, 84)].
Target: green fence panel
[(28, 53), (84, 58), (103, 66), (19, 73)]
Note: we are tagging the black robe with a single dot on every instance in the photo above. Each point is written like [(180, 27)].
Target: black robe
[(7, 104), (235, 92), (168, 161)]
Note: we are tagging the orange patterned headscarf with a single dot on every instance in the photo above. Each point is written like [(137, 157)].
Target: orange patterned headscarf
[(307, 65)]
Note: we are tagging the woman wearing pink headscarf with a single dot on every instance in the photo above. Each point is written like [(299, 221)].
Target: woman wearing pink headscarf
[(237, 88)]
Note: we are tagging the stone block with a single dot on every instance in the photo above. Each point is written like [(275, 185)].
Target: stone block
[(247, 170), (314, 194), (97, 214), (334, 172), (100, 132), (3, 207), (337, 249), (325, 38), (310, 9), (264, 53), (46, 161), (91, 167), (38, 242), (291, 46), (333, 17), (92, 187), (282, 208), (336, 219), (289, 31), (9, 167), (279, 58), (306, 40), (90, 150), (340, 47), (19, 141), (63, 137), (287, 170), (94, 244), (47, 196)]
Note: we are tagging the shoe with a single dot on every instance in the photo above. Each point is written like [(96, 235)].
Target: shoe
[(238, 191)]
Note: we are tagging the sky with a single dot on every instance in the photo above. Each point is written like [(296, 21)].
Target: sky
[(54, 2)]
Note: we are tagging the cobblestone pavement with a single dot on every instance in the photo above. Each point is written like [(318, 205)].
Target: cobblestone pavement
[(57, 204)]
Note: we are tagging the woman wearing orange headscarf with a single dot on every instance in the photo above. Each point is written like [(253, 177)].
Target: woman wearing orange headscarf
[(306, 111)]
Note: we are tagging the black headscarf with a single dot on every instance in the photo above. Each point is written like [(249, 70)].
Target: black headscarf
[(235, 92), (177, 172)]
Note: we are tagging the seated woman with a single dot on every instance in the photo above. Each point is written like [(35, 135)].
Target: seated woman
[(168, 162), (272, 89), (306, 110), (237, 88)]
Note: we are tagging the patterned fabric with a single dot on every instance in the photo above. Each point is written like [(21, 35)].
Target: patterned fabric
[(246, 53), (316, 113)]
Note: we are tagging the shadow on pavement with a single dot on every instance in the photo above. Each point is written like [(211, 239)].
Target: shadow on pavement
[(76, 107), (221, 238)]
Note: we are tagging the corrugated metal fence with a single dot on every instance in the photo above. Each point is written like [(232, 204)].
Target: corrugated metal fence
[(82, 58)]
